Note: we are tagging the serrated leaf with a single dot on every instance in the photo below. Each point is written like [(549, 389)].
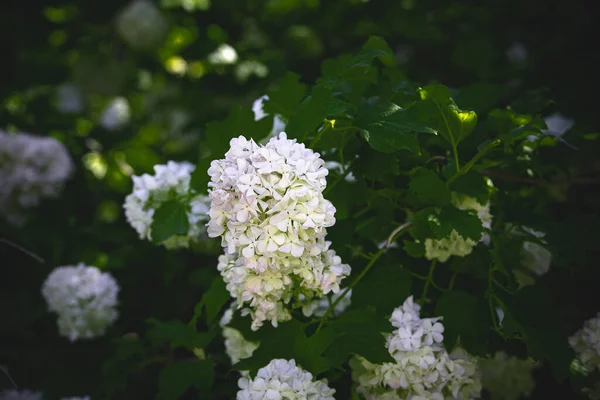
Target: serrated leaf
[(213, 299), (467, 317), (169, 219), (440, 112), (361, 333), (467, 224), (286, 97), (177, 378), (310, 113), (378, 43), (473, 185), (337, 107), (287, 341), (178, 334), (384, 288), (388, 128), (239, 122), (427, 189), (414, 249)]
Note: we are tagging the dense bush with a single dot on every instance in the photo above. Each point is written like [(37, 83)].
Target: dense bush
[(426, 227)]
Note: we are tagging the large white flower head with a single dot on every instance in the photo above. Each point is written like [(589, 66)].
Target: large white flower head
[(84, 298), (507, 377), (454, 244), (423, 368), (31, 168), (535, 258), (13, 394), (282, 379), (586, 343), (170, 182), (141, 25), (257, 108), (268, 207)]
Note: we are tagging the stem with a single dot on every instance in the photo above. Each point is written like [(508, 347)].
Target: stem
[(396, 232), (319, 134), (429, 279), (456, 162), (29, 253), (473, 160), (451, 285), (353, 284), (9, 377)]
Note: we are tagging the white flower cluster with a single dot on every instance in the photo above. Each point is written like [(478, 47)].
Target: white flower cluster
[(13, 394), (84, 298), (116, 114), (318, 307), (257, 108), (455, 244), (282, 379), (586, 343), (225, 54), (31, 168), (535, 258), (423, 368), (170, 182), (267, 205), (236, 346), (507, 377), (141, 25)]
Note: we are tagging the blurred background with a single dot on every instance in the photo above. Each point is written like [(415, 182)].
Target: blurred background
[(127, 85)]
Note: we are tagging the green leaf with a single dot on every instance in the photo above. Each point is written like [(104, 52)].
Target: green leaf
[(426, 223), (384, 288), (360, 333), (442, 114), (473, 185), (466, 223), (287, 341), (310, 113), (388, 128), (427, 189), (239, 122), (177, 378), (378, 43), (414, 249), (337, 107), (285, 99), (178, 334), (169, 219), (467, 317), (213, 299)]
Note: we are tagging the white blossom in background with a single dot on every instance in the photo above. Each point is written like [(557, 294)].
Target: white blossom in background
[(236, 346), (507, 377), (339, 168), (69, 98), (84, 298), (141, 25), (116, 114), (282, 379), (31, 168), (423, 368), (586, 343), (257, 108), (25, 394), (517, 53), (535, 258), (557, 124), (318, 307), (268, 207), (223, 55), (77, 398), (456, 245), (170, 182), (245, 69)]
